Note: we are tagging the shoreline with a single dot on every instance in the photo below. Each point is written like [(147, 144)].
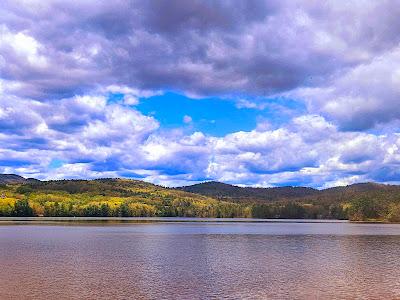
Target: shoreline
[(136, 220), (162, 220)]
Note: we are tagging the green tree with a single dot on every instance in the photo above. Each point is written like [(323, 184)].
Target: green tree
[(22, 208), (123, 210), (292, 211), (262, 211), (104, 210), (394, 213), (362, 209)]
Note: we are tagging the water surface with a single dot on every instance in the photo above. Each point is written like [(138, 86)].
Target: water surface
[(199, 260)]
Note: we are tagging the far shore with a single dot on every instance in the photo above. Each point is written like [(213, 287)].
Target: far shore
[(164, 219), (14, 220)]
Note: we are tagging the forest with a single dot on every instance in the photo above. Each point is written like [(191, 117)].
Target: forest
[(133, 198)]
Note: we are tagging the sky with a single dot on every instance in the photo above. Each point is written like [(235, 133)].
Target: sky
[(253, 93)]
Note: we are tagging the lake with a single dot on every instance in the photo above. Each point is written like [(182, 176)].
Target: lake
[(188, 259)]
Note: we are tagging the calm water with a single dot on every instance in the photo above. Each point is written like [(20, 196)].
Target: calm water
[(200, 260)]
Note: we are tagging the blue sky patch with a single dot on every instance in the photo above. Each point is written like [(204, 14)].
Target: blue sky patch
[(56, 163), (216, 116)]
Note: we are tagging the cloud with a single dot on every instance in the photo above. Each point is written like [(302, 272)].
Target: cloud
[(130, 100), (252, 47), (319, 156), (243, 103), (187, 119), (82, 128), (73, 75), (97, 138), (363, 97)]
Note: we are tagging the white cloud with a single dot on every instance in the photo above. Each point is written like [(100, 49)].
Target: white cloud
[(361, 98), (187, 119), (22, 45), (243, 103), (131, 100), (316, 155)]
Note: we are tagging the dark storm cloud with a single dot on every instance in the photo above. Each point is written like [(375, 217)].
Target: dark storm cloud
[(172, 17), (202, 47)]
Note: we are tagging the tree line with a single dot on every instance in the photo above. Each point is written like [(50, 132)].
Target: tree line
[(174, 208), (126, 198)]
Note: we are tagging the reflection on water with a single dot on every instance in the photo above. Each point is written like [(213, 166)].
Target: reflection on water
[(200, 261)]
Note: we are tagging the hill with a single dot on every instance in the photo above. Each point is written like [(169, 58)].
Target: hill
[(361, 201), (234, 193), (124, 197), (11, 179), (109, 197)]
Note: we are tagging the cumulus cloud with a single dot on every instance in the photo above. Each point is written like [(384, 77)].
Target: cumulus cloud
[(62, 61), (96, 138), (320, 156), (363, 97)]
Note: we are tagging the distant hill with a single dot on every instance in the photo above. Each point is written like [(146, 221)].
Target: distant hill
[(245, 194), (117, 187), (212, 189), (11, 179), (362, 187), (383, 193), (227, 192)]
